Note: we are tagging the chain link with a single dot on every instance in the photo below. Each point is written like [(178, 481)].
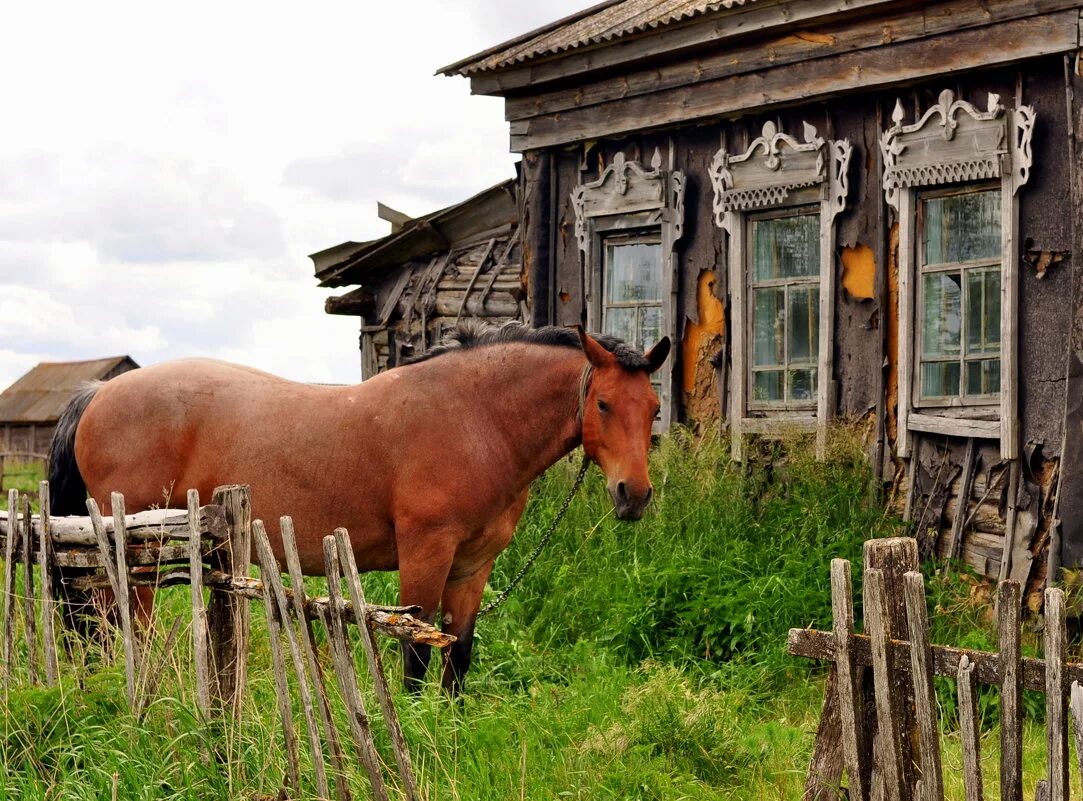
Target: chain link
[(503, 596)]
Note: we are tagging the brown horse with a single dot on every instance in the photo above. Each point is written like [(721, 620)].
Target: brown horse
[(427, 465)]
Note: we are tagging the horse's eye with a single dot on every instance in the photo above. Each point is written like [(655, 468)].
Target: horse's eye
[(603, 406)]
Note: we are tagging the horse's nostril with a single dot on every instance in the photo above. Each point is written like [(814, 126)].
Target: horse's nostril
[(622, 491)]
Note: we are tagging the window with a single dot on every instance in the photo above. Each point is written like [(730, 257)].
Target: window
[(632, 290), (959, 298), (784, 309)]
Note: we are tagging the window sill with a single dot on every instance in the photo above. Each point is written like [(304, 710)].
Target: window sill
[(954, 426), (778, 424)]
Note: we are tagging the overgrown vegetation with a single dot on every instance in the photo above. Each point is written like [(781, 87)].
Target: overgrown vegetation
[(640, 661)]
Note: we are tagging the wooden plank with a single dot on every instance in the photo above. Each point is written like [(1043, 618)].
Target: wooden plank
[(864, 70), (379, 680), (30, 634), (906, 339), (921, 665), (200, 650), (334, 618), (8, 588), (824, 774), (272, 578), (153, 525), (124, 597), (138, 556), (282, 691), (955, 543), (48, 601), (1076, 709), (297, 600), (888, 725), (1011, 691), (110, 563), (969, 731), (1056, 727), (954, 426), (473, 279), (849, 691), (228, 616)]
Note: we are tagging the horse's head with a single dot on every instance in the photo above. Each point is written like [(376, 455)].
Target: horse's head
[(619, 407)]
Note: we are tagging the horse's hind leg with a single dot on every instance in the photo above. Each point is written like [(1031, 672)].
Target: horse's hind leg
[(423, 570), (460, 610)]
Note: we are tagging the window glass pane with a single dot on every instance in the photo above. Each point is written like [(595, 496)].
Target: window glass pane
[(768, 319), (983, 310), (983, 377), (803, 385), (650, 327), (621, 323), (788, 247), (767, 385), (803, 323), (941, 319), (939, 379), (633, 272), (962, 227)]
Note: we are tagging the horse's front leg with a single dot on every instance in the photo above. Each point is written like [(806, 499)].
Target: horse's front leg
[(460, 611), (423, 570)]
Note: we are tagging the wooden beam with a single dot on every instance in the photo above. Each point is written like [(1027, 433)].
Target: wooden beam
[(829, 38), (879, 67)]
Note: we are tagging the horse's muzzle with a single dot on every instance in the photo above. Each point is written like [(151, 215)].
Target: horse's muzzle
[(629, 503)]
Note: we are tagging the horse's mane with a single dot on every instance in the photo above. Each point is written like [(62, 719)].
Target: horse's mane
[(475, 334)]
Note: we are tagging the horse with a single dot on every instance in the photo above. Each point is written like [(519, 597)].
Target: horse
[(427, 465)]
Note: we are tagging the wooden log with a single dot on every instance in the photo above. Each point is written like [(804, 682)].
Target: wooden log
[(154, 525), (297, 601), (969, 731), (474, 278), (1011, 691), (29, 614), (48, 602), (921, 664), (887, 723), (124, 597), (1056, 728), (497, 304), (137, 556), (334, 617), (849, 692), (8, 588), (282, 691), (379, 680), (228, 615), (1076, 709), (199, 610), (271, 576)]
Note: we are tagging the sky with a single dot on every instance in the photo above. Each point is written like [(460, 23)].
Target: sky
[(167, 169)]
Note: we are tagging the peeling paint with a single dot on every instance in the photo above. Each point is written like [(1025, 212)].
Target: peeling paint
[(564, 296), (859, 272), (892, 334), (702, 340)]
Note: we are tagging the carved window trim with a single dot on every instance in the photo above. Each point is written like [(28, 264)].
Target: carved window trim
[(778, 172), (954, 142), (629, 198)]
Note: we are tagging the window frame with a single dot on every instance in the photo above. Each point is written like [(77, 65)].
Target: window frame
[(647, 237)]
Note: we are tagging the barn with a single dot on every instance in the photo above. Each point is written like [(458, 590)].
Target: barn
[(30, 408), (855, 210)]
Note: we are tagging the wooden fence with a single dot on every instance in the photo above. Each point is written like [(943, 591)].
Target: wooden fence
[(209, 547), (879, 727)]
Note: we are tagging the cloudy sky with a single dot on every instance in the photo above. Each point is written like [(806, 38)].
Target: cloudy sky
[(167, 169)]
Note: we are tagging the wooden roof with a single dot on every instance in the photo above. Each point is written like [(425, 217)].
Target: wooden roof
[(41, 394)]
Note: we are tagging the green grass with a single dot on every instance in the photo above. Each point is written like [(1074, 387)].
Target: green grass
[(639, 661)]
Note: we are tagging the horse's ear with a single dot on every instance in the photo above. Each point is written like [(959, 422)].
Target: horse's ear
[(656, 356), (597, 355)]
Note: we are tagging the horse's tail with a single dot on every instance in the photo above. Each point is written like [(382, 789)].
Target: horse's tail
[(67, 489)]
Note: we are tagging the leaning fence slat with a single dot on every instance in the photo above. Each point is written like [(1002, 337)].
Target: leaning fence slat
[(9, 583), (274, 636), (372, 655), (106, 550), (1057, 731), (297, 600), (890, 755), (30, 634), (921, 662), (1076, 709), (969, 731), (124, 598), (273, 579), (48, 605), (1011, 690), (334, 620), (842, 608), (199, 609)]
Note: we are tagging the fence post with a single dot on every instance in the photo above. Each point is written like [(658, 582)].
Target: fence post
[(227, 614), (894, 557)]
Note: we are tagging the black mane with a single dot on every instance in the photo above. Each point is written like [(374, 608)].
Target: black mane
[(475, 334)]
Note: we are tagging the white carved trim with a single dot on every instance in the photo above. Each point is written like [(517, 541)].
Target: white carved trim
[(1022, 156)]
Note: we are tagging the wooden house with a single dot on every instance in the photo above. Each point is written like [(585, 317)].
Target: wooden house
[(430, 273), (858, 209), (30, 408)]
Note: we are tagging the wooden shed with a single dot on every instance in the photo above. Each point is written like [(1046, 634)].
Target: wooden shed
[(414, 285), (857, 209), (30, 408)]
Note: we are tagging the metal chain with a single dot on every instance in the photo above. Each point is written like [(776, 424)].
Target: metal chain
[(503, 596)]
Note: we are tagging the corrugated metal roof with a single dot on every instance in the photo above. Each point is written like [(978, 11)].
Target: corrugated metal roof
[(41, 395), (601, 23)]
